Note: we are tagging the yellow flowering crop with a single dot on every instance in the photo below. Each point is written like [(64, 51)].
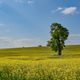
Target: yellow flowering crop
[(49, 69)]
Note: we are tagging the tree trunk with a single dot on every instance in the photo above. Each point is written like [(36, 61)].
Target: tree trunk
[(59, 48), (59, 52)]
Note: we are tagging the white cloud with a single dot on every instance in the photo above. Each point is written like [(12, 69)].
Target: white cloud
[(56, 10), (73, 39), (59, 8), (6, 42), (75, 35), (69, 10), (24, 1), (30, 1)]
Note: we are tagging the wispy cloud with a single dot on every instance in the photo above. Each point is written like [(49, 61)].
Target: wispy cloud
[(6, 42), (59, 8), (30, 1), (56, 10), (66, 11), (25, 1), (73, 39), (75, 35), (18, 1), (69, 10)]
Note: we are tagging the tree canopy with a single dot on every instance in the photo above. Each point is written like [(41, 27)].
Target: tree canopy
[(58, 36)]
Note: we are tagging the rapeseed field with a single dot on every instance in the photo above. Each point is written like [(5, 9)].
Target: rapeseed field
[(39, 64)]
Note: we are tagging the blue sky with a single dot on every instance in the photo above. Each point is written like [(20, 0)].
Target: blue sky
[(27, 22)]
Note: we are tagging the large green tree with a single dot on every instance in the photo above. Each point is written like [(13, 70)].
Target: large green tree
[(58, 36)]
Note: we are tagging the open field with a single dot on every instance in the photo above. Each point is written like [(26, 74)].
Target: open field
[(40, 63)]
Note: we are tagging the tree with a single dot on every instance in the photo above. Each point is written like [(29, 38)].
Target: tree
[(39, 45), (58, 36)]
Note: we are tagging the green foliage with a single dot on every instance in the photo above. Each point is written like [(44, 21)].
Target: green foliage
[(58, 36)]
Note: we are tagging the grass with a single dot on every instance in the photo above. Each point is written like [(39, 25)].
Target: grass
[(40, 63)]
